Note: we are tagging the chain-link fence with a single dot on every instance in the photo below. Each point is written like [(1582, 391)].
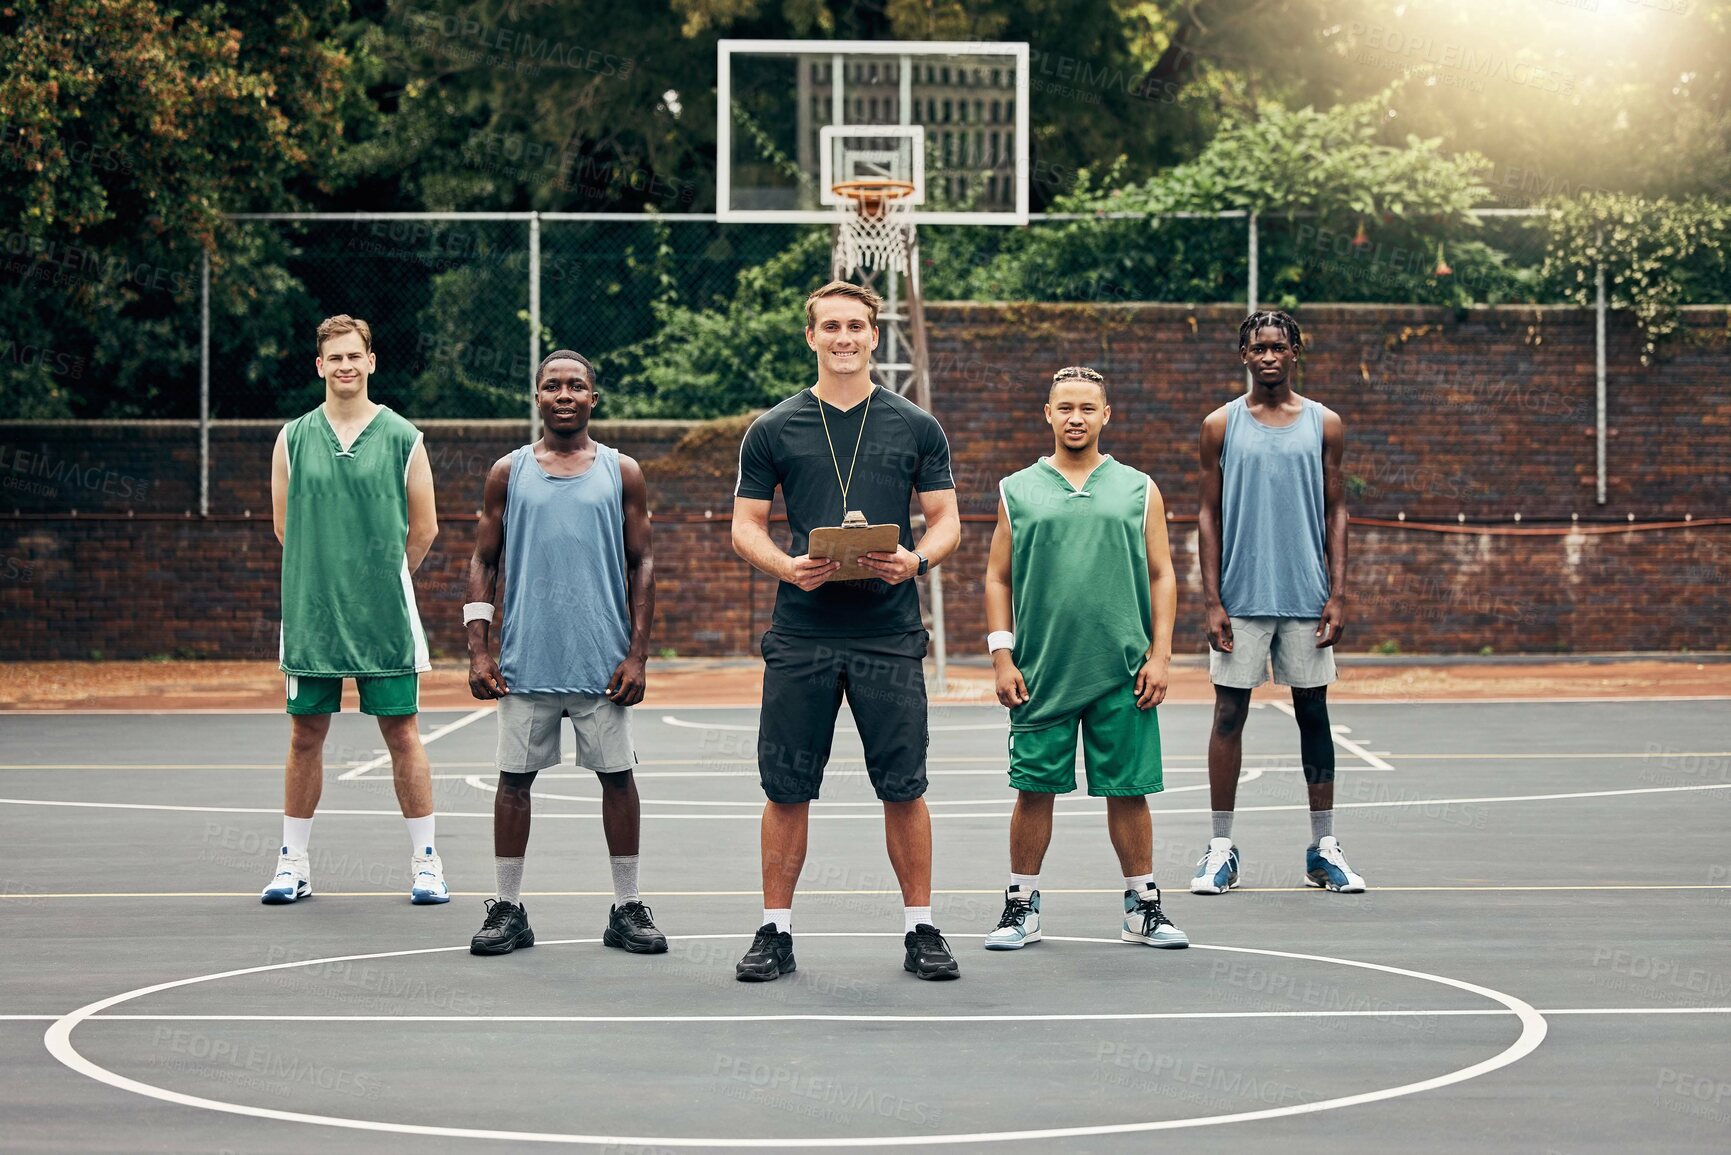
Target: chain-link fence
[(691, 317)]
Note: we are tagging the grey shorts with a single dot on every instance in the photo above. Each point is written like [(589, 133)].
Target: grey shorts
[(1289, 642), (529, 732)]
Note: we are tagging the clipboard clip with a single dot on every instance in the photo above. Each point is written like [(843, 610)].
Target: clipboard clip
[(854, 520)]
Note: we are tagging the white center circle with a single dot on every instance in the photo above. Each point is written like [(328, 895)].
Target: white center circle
[(58, 1040)]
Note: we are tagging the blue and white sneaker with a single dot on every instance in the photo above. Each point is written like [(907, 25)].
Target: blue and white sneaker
[(1020, 924), (1217, 872), (1146, 923), (1325, 866), (428, 886), (291, 881)]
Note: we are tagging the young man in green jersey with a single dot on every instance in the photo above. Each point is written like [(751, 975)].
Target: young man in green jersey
[(1080, 600), (352, 501)]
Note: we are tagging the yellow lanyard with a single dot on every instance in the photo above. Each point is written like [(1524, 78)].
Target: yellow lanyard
[(836, 461)]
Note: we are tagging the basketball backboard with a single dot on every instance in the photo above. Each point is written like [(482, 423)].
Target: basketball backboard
[(796, 117)]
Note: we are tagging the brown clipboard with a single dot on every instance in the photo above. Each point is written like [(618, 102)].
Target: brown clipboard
[(846, 542)]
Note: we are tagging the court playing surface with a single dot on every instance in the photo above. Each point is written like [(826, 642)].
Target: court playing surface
[(1539, 964)]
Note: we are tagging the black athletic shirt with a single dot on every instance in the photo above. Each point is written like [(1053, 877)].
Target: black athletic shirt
[(903, 449)]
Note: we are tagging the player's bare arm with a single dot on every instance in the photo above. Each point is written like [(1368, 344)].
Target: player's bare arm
[(1156, 671), (752, 542), (1001, 613), (1215, 620), (423, 515), (1334, 518), (484, 680), (943, 534), (630, 678)]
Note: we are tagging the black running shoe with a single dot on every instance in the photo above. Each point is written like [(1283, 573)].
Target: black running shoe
[(632, 926), (929, 955), (505, 928), (770, 956)]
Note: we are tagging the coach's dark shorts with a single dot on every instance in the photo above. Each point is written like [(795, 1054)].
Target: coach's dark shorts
[(803, 682)]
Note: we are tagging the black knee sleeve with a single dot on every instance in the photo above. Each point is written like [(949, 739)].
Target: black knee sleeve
[(1315, 739)]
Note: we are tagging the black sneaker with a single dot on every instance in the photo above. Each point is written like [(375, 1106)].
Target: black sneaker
[(505, 928), (632, 926), (770, 956), (929, 955)]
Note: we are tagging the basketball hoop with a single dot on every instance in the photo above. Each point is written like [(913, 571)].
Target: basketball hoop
[(874, 223)]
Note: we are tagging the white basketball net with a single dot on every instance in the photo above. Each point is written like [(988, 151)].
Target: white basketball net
[(873, 234)]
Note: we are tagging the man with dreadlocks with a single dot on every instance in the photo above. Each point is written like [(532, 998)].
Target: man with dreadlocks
[(1272, 535)]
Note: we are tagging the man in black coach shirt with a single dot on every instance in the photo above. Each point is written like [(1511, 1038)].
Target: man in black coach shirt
[(844, 444)]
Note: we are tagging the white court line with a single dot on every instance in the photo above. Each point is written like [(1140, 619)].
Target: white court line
[(1347, 744), (374, 763), (995, 762), (58, 1040), (659, 894), (480, 783), (938, 704), (1061, 813), (669, 719), (1395, 1013)]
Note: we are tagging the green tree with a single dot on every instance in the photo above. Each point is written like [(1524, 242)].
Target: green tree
[(126, 129)]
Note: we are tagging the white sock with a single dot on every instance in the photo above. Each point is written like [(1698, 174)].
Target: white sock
[(1026, 883), (421, 834), (782, 919), (624, 878), (296, 834), (1140, 884), (509, 872), (912, 916)]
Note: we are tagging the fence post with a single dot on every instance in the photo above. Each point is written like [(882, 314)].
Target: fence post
[(1254, 259), (1599, 371), (534, 317), (204, 391)]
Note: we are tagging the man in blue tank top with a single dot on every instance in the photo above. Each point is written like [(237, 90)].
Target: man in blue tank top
[(1272, 535), (571, 518)]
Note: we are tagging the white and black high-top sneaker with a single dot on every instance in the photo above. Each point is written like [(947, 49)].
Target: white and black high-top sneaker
[(291, 881), (1146, 923)]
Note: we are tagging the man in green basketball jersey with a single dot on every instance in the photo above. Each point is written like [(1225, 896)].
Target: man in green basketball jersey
[(352, 499), (1080, 569)]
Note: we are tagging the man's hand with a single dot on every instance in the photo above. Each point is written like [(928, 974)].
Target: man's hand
[(894, 568), (1333, 623), (1219, 626), (1151, 682), (626, 685), (809, 572), (484, 680), (1012, 690)]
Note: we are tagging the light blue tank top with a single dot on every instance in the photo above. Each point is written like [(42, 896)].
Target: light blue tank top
[(1272, 562), (567, 625)]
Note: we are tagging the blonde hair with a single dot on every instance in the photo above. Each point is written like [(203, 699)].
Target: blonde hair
[(343, 323), (1077, 373), (848, 289)]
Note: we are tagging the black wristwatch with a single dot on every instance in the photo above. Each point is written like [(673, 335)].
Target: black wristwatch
[(924, 564)]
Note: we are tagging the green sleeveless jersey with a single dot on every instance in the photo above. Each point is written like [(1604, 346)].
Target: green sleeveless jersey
[(348, 607), (1078, 585)]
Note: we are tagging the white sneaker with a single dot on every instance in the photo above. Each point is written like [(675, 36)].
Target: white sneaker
[(1325, 866), (1217, 872), (428, 874), (1020, 925), (290, 882)]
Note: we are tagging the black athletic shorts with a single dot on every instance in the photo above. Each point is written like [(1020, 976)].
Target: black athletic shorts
[(804, 679)]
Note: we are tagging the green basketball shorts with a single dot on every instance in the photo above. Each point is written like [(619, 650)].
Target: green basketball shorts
[(1120, 748)]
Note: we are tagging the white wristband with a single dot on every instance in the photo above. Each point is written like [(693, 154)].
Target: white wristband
[(477, 612), (1000, 640)]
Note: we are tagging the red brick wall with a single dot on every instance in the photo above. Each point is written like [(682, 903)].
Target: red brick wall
[(1488, 414)]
